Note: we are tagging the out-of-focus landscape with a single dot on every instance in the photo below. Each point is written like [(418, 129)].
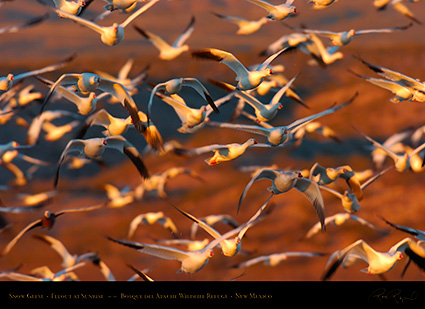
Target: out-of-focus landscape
[(398, 197)]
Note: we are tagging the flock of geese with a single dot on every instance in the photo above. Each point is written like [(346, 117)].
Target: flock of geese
[(253, 114)]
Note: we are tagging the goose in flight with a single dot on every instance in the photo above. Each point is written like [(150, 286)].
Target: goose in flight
[(405, 87), (401, 161), (245, 27), (85, 104), (280, 135), (86, 83), (339, 219), (286, 42), (173, 86), (283, 181), (94, 147), (397, 5), (6, 82), (109, 35), (344, 37), (68, 259), (71, 7), (47, 221), (263, 112), (378, 262), (275, 259), (229, 247), (277, 12), (222, 152), (349, 200), (113, 125), (156, 183), (190, 261), (124, 5), (325, 176), (169, 51), (192, 119), (247, 79), (212, 220), (123, 77), (150, 218), (418, 234), (35, 128), (321, 4)]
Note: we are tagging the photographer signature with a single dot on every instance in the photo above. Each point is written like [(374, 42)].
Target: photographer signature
[(394, 296)]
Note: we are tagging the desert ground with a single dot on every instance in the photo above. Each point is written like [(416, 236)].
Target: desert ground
[(397, 196)]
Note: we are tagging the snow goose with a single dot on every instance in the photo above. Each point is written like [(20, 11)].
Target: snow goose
[(246, 79), (320, 54), (156, 183), (230, 247), (420, 235), (173, 86), (397, 5), (344, 37), (348, 199), (123, 77), (401, 93), (35, 128), (169, 51), (68, 259), (245, 27), (212, 220), (378, 262), (191, 244), (150, 218), (401, 161), (322, 4), (7, 81), (277, 12), (286, 42), (280, 135), (117, 197), (109, 35), (315, 127), (191, 261), (222, 152), (416, 87), (20, 209), (113, 125), (84, 104), (339, 219), (71, 7), (275, 259), (326, 175), (94, 147), (47, 221), (283, 181), (87, 83), (192, 119), (263, 112), (124, 5)]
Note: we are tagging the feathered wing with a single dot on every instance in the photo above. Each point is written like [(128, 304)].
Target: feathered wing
[(163, 252), (125, 147), (186, 34), (121, 93), (202, 91), (12, 243), (311, 190), (263, 173)]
